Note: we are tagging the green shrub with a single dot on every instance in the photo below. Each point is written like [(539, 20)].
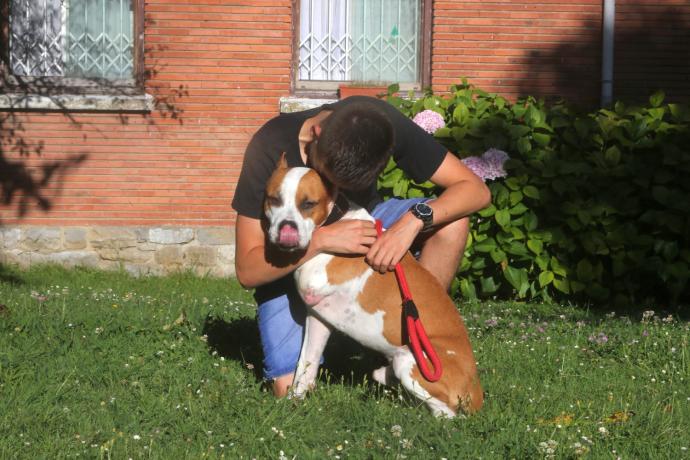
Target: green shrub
[(594, 207)]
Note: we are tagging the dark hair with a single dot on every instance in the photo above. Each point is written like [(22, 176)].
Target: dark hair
[(354, 145)]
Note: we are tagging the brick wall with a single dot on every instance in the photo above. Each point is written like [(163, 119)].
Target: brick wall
[(217, 69), (519, 47)]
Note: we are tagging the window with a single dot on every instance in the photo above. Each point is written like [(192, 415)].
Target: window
[(362, 41), (74, 42)]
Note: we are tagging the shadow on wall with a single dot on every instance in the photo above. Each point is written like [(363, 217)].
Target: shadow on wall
[(23, 185), (652, 52)]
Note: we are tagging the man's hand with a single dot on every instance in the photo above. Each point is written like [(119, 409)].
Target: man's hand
[(390, 247), (345, 237)]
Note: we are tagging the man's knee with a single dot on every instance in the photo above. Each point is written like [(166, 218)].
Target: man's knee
[(443, 251), (454, 234)]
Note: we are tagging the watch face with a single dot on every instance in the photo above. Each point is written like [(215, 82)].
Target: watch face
[(423, 209)]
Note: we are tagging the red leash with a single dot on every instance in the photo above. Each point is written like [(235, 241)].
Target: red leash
[(419, 342)]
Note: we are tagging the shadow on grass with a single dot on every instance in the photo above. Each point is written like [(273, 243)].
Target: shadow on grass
[(346, 361), (8, 276), (236, 341), (349, 362)]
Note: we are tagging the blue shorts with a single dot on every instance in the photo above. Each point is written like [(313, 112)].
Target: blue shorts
[(281, 318)]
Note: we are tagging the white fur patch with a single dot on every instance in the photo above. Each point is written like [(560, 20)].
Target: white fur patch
[(403, 361)]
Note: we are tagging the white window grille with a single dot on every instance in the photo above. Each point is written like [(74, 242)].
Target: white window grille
[(360, 40), (72, 38)]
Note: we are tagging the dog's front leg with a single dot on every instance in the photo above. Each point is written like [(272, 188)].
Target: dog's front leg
[(316, 334)]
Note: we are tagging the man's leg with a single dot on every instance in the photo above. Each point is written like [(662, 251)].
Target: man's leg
[(443, 250), (281, 385), (281, 327)]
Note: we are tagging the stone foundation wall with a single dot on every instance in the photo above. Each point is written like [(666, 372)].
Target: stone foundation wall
[(138, 250)]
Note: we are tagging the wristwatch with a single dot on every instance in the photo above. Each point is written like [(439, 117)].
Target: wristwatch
[(423, 212)]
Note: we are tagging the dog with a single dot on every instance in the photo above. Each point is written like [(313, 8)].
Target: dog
[(345, 293)]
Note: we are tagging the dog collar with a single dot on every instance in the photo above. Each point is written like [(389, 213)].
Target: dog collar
[(340, 207)]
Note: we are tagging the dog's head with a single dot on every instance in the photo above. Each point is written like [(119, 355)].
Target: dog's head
[(297, 202)]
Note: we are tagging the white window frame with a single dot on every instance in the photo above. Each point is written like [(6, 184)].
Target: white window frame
[(75, 94), (327, 88)]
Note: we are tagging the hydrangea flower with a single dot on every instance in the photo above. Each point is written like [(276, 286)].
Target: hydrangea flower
[(429, 121), (489, 166)]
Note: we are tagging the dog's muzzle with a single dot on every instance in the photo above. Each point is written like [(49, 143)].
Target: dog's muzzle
[(288, 235)]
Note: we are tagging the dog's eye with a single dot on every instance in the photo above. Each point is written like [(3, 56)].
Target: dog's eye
[(306, 205), (274, 201)]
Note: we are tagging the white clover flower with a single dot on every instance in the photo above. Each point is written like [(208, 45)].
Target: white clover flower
[(548, 448)]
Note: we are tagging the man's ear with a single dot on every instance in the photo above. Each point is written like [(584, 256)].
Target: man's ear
[(317, 130)]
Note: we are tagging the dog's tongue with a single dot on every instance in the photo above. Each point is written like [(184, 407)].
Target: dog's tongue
[(288, 236)]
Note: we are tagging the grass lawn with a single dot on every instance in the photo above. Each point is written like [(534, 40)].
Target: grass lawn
[(102, 365)]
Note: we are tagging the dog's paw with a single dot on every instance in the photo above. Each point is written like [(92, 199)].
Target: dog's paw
[(297, 394), (300, 389), (383, 375)]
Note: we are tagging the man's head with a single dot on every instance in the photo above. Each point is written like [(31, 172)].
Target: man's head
[(352, 146)]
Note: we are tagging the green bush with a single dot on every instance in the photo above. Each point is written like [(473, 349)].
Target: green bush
[(595, 207)]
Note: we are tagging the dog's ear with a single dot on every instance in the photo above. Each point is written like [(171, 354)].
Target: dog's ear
[(282, 163)]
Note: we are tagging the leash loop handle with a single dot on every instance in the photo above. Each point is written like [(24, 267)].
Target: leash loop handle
[(421, 346), (419, 342)]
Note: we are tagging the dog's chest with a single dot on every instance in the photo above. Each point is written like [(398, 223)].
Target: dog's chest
[(338, 303), (322, 277)]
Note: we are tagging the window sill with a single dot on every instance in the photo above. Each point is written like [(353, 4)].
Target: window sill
[(77, 102), (291, 104)]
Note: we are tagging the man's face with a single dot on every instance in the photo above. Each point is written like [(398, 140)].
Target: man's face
[(314, 160)]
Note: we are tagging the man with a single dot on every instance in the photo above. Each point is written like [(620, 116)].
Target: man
[(348, 143)]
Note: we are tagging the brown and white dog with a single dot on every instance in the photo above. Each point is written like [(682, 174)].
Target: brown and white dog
[(347, 294)]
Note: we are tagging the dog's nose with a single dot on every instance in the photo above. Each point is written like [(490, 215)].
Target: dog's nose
[(288, 235)]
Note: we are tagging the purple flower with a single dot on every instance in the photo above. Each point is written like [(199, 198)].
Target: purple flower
[(476, 164), (493, 322), (599, 339), (429, 121), (489, 166), (495, 159)]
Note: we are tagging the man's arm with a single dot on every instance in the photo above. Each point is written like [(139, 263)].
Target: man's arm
[(253, 269), (464, 193)]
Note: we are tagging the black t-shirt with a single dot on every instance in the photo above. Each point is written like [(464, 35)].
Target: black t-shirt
[(414, 150)]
